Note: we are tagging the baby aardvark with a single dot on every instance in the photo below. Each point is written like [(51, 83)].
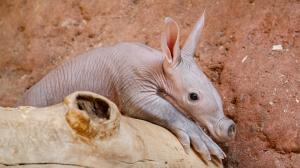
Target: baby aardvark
[(166, 88)]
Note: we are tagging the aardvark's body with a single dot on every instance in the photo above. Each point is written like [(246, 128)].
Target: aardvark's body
[(166, 88)]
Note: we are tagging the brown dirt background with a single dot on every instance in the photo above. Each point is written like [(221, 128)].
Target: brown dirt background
[(260, 87)]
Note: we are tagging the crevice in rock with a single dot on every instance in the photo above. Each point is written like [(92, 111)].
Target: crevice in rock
[(215, 72), (271, 144), (143, 160), (273, 147), (46, 163)]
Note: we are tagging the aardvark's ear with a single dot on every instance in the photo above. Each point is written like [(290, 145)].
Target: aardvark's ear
[(170, 43), (190, 46)]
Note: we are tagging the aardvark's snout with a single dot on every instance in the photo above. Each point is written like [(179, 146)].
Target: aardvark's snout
[(225, 129)]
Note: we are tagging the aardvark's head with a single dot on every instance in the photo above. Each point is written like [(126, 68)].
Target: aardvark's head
[(188, 88)]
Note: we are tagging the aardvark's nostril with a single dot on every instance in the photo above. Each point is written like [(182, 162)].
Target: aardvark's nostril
[(231, 130)]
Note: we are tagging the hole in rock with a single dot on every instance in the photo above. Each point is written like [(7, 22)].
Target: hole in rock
[(93, 106)]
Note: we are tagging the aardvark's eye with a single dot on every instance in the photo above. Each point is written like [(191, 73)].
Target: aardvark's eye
[(193, 96)]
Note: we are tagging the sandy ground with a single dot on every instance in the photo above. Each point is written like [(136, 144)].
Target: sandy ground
[(260, 86)]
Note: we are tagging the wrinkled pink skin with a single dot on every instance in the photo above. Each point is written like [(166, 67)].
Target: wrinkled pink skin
[(147, 84)]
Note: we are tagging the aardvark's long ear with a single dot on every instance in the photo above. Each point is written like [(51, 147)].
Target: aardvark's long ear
[(192, 41), (170, 43)]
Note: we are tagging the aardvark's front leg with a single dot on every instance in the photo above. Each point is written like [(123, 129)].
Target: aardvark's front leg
[(157, 110)]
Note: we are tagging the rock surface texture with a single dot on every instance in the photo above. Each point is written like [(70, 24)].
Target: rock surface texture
[(87, 130), (260, 86)]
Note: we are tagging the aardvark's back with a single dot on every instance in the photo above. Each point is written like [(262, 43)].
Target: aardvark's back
[(106, 71)]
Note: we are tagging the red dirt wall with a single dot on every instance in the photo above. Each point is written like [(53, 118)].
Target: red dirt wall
[(260, 87)]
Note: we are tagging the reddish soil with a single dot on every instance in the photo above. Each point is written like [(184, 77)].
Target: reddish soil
[(260, 87)]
